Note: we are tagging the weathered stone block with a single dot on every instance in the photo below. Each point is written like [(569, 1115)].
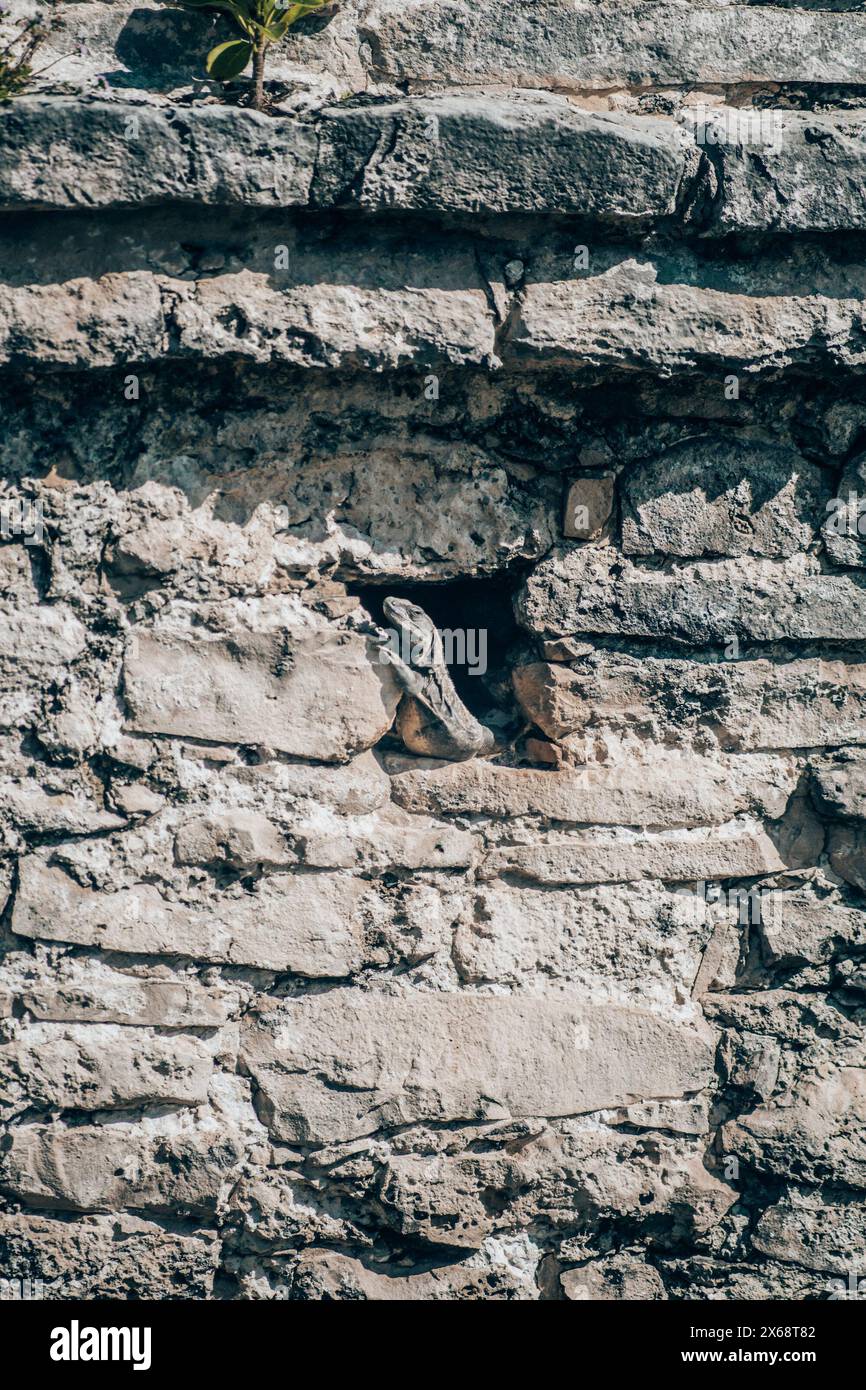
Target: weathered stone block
[(143, 46), (311, 694), (747, 705), (41, 635), (588, 505), (584, 47), (601, 939), (810, 923), (30, 808), (105, 1168), (100, 1066), (465, 153), (383, 847), (734, 850), (846, 847), (89, 991), (668, 792), (102, 1257), (327, 1275), (445, 1200), (386, 321), (815, 1135), (618, 1278), (242, 839), (840, 785), (624, 312), (336, 1066), (809, 1230), (807, 176), (844, 529), (701, 498), (588, 590), (60, 152), (309, 924)]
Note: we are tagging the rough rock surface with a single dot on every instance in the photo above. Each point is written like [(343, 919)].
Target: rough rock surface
[(546, 318)]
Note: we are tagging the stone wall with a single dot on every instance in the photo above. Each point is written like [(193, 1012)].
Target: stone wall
[(549, 318)]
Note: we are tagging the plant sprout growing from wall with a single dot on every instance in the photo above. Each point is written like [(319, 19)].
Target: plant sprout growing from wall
[(18, 53), (262, 22)]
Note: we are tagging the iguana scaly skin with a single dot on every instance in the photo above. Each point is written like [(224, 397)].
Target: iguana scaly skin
[(431, 717)]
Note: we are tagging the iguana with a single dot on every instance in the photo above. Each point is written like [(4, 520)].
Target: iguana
[(431, 717)]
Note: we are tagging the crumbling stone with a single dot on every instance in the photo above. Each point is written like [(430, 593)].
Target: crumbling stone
[(527, 967)]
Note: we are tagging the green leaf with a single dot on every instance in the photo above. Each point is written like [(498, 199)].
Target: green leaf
[(292, 13), (228, 59), (244, 12)]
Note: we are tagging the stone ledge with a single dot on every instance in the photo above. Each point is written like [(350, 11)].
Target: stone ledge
[(581, 48), (590, 46), (785, 171), (259, 285), (135, 317), (537, 154), (594, 591), (450, 154), (643, 315), (767, 171), (61, 152)]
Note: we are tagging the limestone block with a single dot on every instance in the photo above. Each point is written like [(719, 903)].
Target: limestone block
[(809, 1230), (106, 1168), (61, 152), (575, 592), (98, 1257), (312, 694), (627, 312), (747, 705), (588, 505), (738, 499), (100, 1066), (242, 839), (465, 152), (308, 924), (601, 939), (734, 850), (381, 847), (583, 47), (671, 791), (840, 785), (815, 1135), (336, 1066), (846, 847), (87, 990), (619, 1277), (807, 176)]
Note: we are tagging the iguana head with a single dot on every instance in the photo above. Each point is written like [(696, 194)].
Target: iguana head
[(420, 643)]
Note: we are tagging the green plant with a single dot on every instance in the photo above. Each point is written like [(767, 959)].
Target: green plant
[(262, 22), (16, 57)]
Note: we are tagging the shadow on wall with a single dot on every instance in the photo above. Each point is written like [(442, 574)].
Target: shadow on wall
[(153, 43)]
